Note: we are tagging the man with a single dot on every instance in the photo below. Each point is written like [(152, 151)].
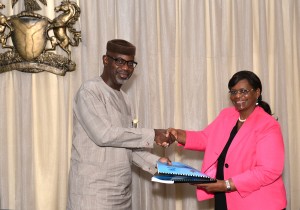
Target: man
[(104, 141)]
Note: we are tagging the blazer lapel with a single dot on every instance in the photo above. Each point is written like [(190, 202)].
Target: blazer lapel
[(227, 124), (244, 131)]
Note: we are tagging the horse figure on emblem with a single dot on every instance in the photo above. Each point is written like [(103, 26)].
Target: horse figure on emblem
[(3, 25), (61, 23)]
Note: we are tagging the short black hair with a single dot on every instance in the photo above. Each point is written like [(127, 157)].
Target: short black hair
[(254, 81)]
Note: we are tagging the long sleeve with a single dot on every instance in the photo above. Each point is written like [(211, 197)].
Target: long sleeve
[(145, 160), (105, 123)]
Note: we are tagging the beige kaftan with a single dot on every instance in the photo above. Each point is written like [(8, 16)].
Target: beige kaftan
[(104, 146)]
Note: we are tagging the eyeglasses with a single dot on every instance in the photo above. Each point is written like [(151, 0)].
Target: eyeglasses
[(122, 62), (242, 92)]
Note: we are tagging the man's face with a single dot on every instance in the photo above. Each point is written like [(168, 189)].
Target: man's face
[(119, 68)]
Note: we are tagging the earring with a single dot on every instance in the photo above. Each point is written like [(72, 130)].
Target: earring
[(256, 102)]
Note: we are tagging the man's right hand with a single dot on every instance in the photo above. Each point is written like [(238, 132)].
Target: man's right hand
[(178, 134), (162, 139)]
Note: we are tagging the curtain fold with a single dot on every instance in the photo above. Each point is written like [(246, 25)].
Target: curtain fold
[(187, 50)]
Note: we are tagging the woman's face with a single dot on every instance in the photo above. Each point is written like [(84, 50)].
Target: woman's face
[(243, 96)]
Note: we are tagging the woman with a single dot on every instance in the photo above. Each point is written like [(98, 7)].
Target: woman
[(244, 150)]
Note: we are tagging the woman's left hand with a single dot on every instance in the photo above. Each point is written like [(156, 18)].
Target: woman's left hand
[(218, 186)]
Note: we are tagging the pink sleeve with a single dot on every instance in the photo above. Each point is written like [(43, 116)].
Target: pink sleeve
[(195, 140)]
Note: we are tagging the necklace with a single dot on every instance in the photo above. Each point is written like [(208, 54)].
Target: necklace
[(241, 119)]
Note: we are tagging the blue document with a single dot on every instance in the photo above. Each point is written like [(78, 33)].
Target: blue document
[(179, 173)]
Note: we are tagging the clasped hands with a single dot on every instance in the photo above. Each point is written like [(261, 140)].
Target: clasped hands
[(165, 137)]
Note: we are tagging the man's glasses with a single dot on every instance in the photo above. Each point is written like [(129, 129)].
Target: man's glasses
[(242, 92), (122, 62)]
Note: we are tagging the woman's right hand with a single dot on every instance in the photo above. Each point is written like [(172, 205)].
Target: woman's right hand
[(179, 135)]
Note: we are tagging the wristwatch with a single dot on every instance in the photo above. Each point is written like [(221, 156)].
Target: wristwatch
[(228, 187)]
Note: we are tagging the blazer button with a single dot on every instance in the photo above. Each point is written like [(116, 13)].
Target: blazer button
[(226, 165)]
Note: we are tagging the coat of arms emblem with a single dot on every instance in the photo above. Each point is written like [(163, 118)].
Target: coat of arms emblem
[(35, 37)]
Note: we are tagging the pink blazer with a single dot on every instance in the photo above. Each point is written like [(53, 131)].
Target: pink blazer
[(254, 161)]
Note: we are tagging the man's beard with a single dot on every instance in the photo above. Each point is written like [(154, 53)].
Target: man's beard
[(120, 80)]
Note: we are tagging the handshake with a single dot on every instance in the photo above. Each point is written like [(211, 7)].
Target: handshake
[(165, 137)]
